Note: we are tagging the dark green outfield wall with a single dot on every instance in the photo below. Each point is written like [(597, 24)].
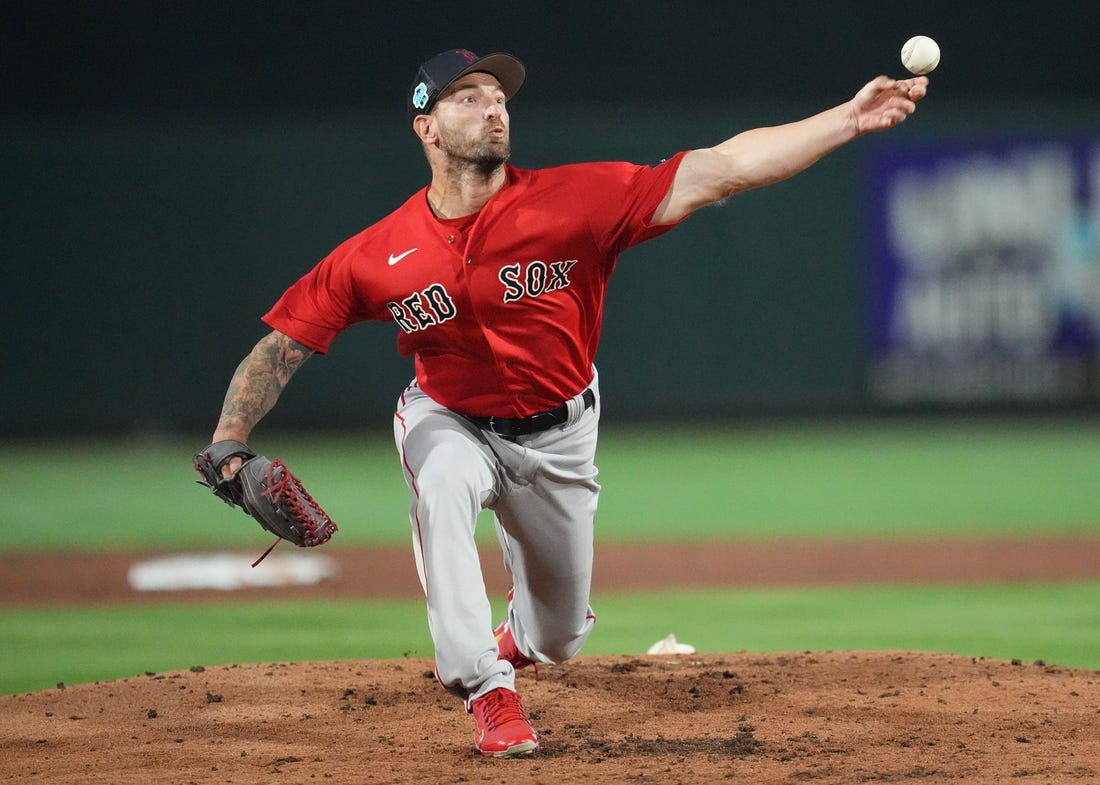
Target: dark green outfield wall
[(161, 188)]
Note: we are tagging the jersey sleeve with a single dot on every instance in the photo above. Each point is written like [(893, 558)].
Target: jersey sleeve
[(620, 199), (321, 304)]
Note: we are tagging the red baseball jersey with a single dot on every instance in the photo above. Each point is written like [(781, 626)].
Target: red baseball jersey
[(502, 309)]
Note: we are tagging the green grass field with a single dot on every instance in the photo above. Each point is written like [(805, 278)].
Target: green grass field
[(903, 480), (1056, 623)]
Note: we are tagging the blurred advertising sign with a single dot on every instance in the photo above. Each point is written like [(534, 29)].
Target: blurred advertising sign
[(984, 271)]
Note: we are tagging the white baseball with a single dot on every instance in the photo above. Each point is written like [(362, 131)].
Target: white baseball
[(920, 54)]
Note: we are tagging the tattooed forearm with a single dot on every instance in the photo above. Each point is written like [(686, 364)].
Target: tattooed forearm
[(257, 384)]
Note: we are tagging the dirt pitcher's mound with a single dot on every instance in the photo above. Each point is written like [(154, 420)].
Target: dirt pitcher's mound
[(811, 717)]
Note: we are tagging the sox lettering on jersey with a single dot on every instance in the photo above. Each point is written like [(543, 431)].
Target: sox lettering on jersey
[(534, 279)]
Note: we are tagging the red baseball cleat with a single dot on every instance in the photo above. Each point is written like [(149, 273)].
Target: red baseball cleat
[(502, 728)]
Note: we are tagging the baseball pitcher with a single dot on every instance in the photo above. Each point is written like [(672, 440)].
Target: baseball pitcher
[(494, 277)]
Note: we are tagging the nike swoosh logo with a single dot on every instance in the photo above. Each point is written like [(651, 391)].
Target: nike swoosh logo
[(395, 259)]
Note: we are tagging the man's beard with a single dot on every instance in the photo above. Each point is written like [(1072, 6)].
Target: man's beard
[(480, 156)]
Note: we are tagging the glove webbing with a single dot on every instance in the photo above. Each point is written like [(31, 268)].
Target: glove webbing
[(286, 491)]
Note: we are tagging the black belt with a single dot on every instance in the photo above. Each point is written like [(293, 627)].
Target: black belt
[(536, 423)]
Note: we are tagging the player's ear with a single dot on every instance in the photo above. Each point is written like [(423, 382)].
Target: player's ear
[(424, 127)]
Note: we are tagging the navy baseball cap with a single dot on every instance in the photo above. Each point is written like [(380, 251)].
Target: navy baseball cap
[(438, 73)]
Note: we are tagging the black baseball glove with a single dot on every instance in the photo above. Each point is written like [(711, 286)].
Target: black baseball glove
[(268, 492)]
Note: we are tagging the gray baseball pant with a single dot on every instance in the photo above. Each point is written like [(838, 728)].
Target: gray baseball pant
[(542, 490)]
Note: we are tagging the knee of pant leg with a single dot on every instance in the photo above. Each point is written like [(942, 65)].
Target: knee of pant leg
[(565, 646)]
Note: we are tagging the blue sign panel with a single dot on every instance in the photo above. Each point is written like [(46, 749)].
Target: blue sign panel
[(984, 271)]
